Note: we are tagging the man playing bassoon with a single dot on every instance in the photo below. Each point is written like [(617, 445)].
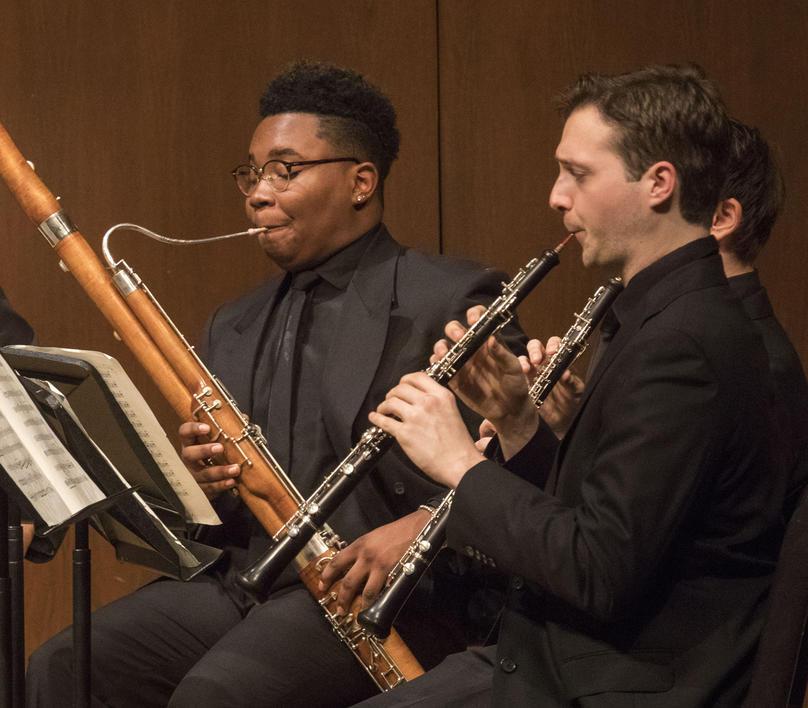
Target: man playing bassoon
[(307, 356)]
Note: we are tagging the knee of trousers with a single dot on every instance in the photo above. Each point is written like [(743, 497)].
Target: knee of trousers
[(50, 668), (195, 691)]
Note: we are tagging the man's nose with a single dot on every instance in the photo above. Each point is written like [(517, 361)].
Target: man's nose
[(262, 195), (559, 199)]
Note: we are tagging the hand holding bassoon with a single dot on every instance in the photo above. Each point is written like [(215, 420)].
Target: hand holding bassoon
[(200, 454)]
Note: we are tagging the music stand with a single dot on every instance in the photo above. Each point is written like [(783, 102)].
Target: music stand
[(139, 521)]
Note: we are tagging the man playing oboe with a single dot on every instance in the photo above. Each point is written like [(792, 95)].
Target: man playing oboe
[(750, 201), (641, 547)]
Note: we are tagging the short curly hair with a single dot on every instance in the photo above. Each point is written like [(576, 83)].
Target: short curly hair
[(754, 179), (355, 116)]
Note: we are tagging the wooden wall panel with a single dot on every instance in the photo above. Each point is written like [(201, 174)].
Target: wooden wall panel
[(501, 64), (137, 112)]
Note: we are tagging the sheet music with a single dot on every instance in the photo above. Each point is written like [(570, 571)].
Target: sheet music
[(35, 459), (196, 504)]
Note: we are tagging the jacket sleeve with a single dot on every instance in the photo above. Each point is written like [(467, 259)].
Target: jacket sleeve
[(651, 462)]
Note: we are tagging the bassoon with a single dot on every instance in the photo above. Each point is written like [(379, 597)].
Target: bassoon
[(378, 618), (189, 387)]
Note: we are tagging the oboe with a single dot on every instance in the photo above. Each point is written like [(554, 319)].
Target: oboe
[(181, 377), (374, 442), (379, 617)]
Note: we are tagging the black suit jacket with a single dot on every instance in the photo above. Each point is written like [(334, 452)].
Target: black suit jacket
[(13, 328), (790, 388), (395, 309), (644, 561)]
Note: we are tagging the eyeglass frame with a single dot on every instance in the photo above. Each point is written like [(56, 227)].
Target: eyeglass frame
[(288, 165)]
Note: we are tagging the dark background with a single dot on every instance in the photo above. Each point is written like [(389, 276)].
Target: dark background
[(136, 111)]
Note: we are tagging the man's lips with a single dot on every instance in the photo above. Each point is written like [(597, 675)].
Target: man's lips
[(266, 228), (267, 232)]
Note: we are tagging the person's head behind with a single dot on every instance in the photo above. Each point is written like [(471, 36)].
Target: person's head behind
[(751, 197), (663, 113), (317, 162)]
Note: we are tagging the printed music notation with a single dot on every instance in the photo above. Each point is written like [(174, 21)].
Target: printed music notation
[(142, 419), (35, 458)]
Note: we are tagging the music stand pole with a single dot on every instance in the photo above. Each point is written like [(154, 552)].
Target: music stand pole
[(81, 615), (15, 572), (5, 608)]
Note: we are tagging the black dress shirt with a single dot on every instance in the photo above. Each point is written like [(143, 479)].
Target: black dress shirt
[(311, 454)]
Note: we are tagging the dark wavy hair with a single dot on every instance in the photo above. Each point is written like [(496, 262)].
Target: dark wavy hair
[(355, 116), (754, 179), (670, 113)]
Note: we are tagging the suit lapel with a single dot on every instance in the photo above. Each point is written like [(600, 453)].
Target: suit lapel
[(621, 338), (238, 356), (354, 355), (694, 275)]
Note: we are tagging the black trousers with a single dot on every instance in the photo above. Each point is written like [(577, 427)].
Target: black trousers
[(188, 644), (464, 679)]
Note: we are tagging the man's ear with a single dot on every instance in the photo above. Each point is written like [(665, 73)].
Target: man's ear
[(661, 180), (726, 219), (365, 183)]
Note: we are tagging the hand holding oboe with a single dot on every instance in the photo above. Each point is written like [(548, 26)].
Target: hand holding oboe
[(424, 418), (561, 404), (494, 384), (364, 565), (564, 399)]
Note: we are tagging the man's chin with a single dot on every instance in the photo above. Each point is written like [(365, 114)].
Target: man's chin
[(588, 257), (278, 250)]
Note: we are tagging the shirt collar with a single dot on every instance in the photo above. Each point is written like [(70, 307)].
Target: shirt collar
[(633, 299), (744, 284), (339, 267)]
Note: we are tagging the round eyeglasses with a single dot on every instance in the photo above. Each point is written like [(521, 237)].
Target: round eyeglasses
[(276, 173)]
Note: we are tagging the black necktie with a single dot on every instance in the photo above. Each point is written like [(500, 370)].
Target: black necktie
[(279, 410), (608, 328)]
